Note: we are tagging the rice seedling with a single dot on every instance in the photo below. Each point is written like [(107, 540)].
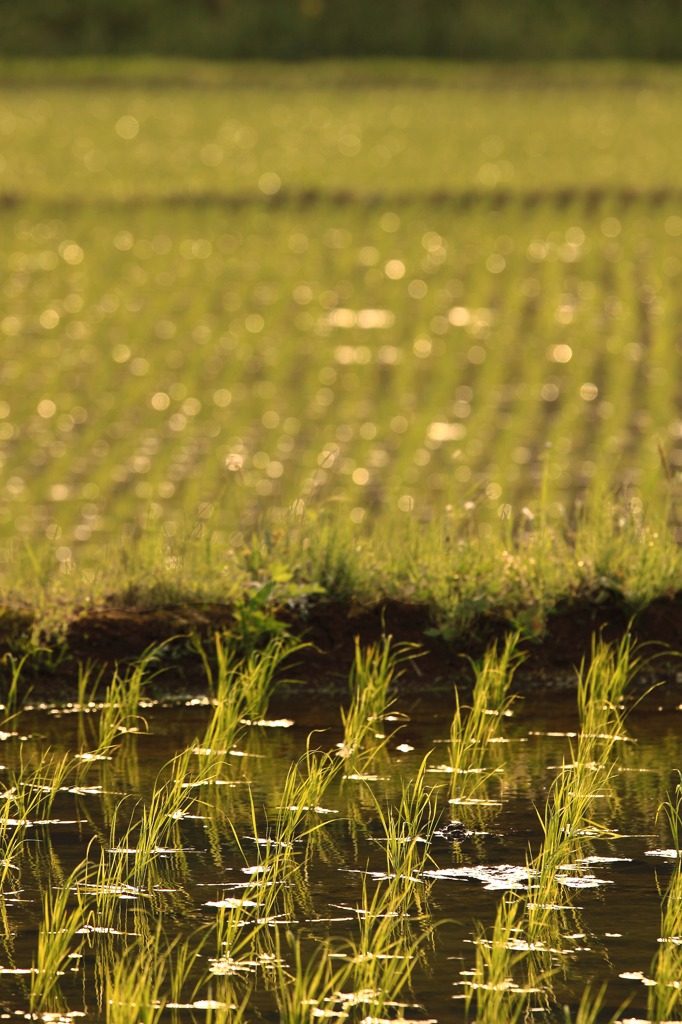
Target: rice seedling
[(467, 750), (257, 676), (156, 829), (568, 815), (408, 391), (491, 990), (220, 667), (229, 702), (12, 836), (601, 689), (119, 715), (539, 933), (107, 887), (671, 808), (32, 790), (147, 835), (59, 927), (134, 987), (245, 948), (374, 671), (221, 734), (566, 822), (302, 795), (89, 679), (511, 569), (121, 705), (474, 728), (590, 1008), (312, 987), (665, 996), (408, 828), (275, 869), (11, 668), (389, 945), (494, 675)]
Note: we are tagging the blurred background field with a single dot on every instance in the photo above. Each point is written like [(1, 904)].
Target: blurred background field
[(236, 296)]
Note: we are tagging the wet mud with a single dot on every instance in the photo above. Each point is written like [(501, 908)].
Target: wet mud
[(553, 648)]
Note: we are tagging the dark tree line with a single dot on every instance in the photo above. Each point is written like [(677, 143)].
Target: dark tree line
[(296, 29)]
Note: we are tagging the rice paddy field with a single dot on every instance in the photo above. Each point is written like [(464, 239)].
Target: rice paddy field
[(238, 302), (367, 341), (477, 857)]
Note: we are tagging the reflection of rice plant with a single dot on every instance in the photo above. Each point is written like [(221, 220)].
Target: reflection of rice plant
[(275, 868), (235, 932), (223, 728), (224, 1011), (107, 885), (88, 682), (374, 670), (89, 678), (474, 728), (180, 959)]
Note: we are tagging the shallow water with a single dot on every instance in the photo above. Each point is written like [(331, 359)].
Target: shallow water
[(610, 925)]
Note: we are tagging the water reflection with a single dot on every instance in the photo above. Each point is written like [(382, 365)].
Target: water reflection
[(238, 848)]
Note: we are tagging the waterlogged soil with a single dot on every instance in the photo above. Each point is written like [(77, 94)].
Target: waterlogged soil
[(553, 644), (607, 930)]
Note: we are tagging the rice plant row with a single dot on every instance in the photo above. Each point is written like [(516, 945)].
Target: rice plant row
[(118, 932), (198, 368)]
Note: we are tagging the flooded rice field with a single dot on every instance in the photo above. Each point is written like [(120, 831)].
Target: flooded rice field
[(176, 859)]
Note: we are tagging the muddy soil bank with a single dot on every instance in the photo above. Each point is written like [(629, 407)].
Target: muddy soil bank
[(110, 635)]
